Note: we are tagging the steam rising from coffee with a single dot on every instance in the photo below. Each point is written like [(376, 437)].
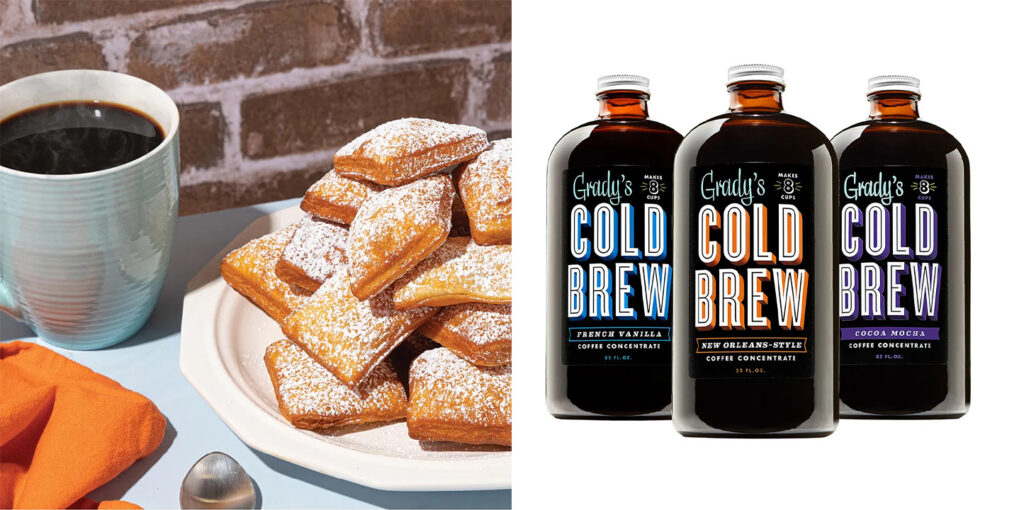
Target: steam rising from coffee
[(75, 138)]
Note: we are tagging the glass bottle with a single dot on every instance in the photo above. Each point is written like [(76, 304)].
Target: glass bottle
[(904, 261), (754, 350), (609, 260)]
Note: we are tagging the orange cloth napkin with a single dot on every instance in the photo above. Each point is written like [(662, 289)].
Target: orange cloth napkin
[(66, 430)]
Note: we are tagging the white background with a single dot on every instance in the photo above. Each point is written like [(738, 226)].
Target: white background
[(968, 58)]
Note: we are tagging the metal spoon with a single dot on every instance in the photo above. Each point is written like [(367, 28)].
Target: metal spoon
[(217, 481)]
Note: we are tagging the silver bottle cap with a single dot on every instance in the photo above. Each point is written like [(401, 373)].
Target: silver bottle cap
[(623, 82), (755, 72), (899, 82)]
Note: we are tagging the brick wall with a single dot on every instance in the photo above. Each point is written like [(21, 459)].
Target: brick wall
[(268, 90)]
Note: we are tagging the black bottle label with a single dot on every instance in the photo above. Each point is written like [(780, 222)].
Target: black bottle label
[(617, 272), (892, 243), (751, 278)]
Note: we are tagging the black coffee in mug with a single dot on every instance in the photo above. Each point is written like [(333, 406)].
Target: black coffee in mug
[(76, 137)]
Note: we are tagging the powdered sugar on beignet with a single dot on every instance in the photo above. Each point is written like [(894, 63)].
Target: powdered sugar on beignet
[(349, 336), (396, 229), (338, 198), (250, 270), (315, 252), (480, 333), (310, 396), (403, 150), (485, 185), (460, 271), (453, 400)]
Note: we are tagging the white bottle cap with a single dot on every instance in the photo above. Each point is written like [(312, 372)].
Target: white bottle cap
[(755, 72), (894, 82), (623, 82)]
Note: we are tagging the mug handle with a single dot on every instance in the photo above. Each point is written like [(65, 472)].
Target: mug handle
[(7, 302)]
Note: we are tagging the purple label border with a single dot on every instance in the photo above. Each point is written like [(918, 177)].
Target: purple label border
[(889, 333)]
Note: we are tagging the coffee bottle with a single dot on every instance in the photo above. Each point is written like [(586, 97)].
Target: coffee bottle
[(610, 262), (754, 350), (904, 261)]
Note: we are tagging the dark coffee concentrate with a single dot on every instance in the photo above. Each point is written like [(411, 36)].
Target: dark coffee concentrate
[(609, 217), (76, 138)]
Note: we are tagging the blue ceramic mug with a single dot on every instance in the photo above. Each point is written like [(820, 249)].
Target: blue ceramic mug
[(83, 256)]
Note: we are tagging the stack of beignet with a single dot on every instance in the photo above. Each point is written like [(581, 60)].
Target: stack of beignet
[(406, 243)]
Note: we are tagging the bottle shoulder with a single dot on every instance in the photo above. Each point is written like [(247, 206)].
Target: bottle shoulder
[(606, 127), (602, 141), (742, 125), (754, 137), (909, 129), (876, 142)]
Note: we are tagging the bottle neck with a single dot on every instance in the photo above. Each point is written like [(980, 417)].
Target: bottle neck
[(755, 97), (622, 105), (893, 105)]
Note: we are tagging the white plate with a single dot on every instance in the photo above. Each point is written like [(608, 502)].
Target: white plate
[(223, 337)]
